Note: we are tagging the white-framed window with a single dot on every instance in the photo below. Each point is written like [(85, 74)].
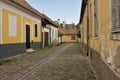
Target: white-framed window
[(12, 25), (56, 33), (115, 6)]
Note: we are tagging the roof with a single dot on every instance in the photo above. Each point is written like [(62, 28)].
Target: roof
[(47, 20), (23, 4), (69, 29), (84, 3)]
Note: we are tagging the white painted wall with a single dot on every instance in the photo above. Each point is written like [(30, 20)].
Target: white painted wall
[(54, 33), (18, 11), (45, 29)]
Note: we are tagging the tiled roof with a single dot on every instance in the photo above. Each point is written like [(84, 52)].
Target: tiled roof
[(61, 31), (25, 5), (49, 21), (68, 29), (83, 6)]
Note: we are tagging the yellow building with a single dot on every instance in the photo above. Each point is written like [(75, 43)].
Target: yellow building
[(103, 45), (68, 33), (20, 27), (84, 26)]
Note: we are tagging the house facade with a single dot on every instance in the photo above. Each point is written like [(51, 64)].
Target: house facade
[(49, 31), (99, 24), (20, 28), (67, 33), (54, 35)]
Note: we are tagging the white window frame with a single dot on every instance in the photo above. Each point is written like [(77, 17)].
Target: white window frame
[(12, 25)]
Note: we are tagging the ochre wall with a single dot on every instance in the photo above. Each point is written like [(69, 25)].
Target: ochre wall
[(21, 29), (67, 38), (5, 35)]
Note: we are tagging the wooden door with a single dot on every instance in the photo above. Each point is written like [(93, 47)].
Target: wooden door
[(27, 36)]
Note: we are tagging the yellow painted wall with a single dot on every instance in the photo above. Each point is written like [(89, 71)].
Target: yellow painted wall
[(63, 38), (101, 43), (105, 27), (32, 23), (83, 27), (68, 38), (94, 41), (21, 29), (38, 38), (48, 26), (108, 48), (104, 45), (5, 35)]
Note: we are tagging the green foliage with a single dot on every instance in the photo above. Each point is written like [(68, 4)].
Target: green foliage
[(60, 35), (47, 48), (78, 27), (6, 61), (51, 45)]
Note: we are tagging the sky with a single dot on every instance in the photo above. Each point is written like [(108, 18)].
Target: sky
[(65, 10)]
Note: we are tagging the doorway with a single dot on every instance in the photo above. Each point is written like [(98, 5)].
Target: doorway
[(46, 39), (27, 36)]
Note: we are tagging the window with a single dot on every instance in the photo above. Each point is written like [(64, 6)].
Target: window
[(90, 21), (52, 33), (56, 33), (73, 38), (96, 29), (36, 30), (12, 21), (115, 15)]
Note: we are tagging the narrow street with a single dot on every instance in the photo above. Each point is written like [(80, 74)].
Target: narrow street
[(63, 62)]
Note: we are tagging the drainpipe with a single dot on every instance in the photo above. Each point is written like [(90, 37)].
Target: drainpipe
[(43, 42), (88, 37), (87, 28)]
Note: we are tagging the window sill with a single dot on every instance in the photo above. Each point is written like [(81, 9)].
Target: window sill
[(97, 37), (118, 31), (115, 36)]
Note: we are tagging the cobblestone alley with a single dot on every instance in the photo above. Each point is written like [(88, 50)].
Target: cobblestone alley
[(64, 62)]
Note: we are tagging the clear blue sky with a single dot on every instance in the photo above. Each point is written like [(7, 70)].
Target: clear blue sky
[(68, 10)]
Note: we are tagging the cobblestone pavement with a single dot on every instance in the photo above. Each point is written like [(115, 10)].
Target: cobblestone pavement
[(64, 62)]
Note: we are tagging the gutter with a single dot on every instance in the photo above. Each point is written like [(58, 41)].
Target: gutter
[(39, 15)]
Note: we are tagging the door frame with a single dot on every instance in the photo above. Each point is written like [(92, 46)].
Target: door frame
[(26, 35)]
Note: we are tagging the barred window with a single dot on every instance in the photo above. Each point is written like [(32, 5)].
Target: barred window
[(115, 15), (96, 28)]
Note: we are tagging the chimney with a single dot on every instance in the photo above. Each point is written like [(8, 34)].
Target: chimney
[(58, 21), (64, 24)]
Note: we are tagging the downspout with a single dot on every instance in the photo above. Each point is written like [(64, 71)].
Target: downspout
[(43, 38), (87, 28)]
